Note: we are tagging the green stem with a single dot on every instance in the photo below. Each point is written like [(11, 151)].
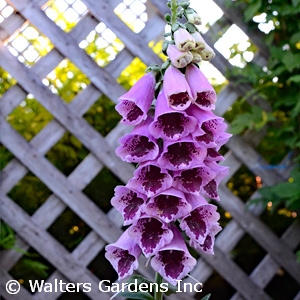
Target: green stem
[(158, 295), (174, 7)]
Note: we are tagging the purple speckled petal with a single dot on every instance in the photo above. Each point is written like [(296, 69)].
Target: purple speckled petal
[(183, 154), (213, 155), (192, 180), (134, 104), (210, 189), (139, 145), (173, 261), (222, 139), (207, 246), (129, 203), (198, 224), (176, 89), (203, 93), (150, 179), (170, 124), (123, 255), (168, 205), (150, 234)]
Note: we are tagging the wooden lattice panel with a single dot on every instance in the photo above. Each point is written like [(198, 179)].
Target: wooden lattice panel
[(67, 192)]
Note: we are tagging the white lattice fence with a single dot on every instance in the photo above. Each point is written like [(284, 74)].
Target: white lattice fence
[(67, 191)]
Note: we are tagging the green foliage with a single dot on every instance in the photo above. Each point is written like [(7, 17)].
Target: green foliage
[(277, 84), (287, 193), (7, 237), (67, 80), (6, 81), (29, 117)]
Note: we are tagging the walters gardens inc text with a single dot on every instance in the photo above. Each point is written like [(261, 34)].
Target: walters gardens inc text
[(105, 286)]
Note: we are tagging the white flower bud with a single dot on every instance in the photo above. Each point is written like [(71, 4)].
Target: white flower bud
[(178, 58), (196, 57), (194, 18), (208, 53), (199, 41), (183, 40)]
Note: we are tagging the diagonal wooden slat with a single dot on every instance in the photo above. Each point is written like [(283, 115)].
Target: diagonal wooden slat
[(66, 44), (65, 115), (44, 243)]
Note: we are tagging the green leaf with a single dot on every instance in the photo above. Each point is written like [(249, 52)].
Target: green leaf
[(184, 4), (290, 60), (171, 290), (206, 297), (252, 9), (295, 78), (296, 3), (175, 27), (138, 295), (168, 17)]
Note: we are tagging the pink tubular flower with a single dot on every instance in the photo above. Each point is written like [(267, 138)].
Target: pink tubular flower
[(139, 145), (179, 59), (173, 261), (203, 93), (201, 225), (183, 40), (129, 203), (210, 189), (192, 180), (169, 205), (183, 154), (150, 179), (170, 124), (136, 102), (123, 255), (150, 234), (176, 89)]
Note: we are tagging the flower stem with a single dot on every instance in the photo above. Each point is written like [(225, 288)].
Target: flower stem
[(158, 295), (174, 7)]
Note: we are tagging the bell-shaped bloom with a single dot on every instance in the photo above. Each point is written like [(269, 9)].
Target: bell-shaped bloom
[(168, 205), (207, 246), (211, 128), (201, 222), (129, 203), (134, 104), (183, 40), (213, 155), (123, 255), (222, 139), (183, 154), (150, 179), (199, 41), (173, 262), (193, 180), (150, 234), (219, 172), (176, 89), (179, 59), (203, 93), (139, 145), (170, 124), (207, 53)]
